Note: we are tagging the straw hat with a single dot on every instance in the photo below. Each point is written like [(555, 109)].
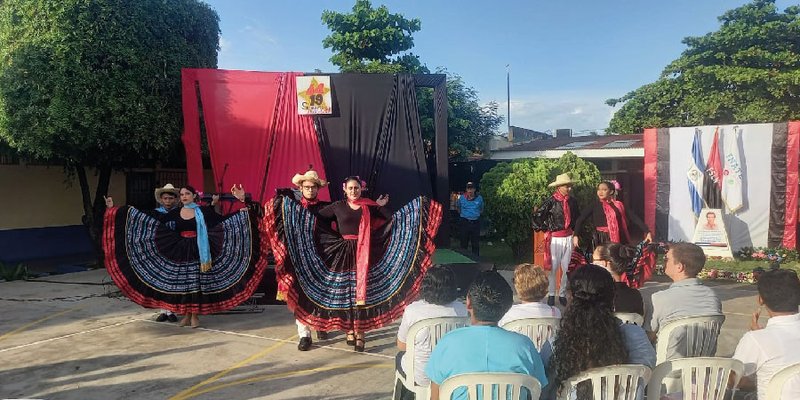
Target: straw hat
[(310, 175), (168, 188), (561, 180)]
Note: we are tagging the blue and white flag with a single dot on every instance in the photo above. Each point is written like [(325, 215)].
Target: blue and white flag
[(696, 174)]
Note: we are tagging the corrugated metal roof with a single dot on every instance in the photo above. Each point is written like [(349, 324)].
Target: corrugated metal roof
[(609, 142)]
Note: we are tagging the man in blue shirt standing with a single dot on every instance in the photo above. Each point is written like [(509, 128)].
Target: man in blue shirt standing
[(483, 346), (470, 207)]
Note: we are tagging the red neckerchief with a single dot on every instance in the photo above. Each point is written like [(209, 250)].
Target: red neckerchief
[(306, 202), (548, 236), (362, 248), (614, 232)]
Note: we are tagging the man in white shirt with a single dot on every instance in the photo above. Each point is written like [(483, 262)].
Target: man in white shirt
[(765, 350)]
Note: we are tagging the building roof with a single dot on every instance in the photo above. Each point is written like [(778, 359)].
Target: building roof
[(608, 146)]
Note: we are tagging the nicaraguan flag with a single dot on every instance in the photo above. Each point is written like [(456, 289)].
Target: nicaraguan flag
[(696, 174)]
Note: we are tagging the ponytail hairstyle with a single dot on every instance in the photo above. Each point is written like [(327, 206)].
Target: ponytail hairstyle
[(357, 179), (590, 335), (619, 256), (612, 189)]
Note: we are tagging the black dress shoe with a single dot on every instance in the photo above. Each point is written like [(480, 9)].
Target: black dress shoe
[(551, 300), (305, 344), (322, 335), (161, 317), (563, 301), (172, 318)]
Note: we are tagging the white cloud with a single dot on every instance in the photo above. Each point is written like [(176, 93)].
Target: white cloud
[(258, 34), (579, 112), (225, 45)]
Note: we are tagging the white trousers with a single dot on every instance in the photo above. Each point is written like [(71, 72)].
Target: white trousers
[(560, 255), (302, 329)]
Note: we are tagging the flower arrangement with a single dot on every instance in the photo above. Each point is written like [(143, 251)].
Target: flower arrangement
[(742, 277), (767, 254)]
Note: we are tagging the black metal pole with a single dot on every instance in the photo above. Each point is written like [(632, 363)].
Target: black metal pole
[(508, 93)]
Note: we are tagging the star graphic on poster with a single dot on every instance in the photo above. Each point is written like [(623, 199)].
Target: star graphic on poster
[(314, 96)]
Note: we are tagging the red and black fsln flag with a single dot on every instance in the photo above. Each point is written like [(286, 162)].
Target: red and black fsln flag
[(712, 184)]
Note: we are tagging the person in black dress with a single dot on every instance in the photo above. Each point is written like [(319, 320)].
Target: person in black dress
[(609, 218), (190, 260)]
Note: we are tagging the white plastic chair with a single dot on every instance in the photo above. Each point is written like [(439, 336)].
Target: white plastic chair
[(539, 330), (696, 335), (778, 381), (505, 382), (630, 318), (436, 328), (703, 377), (614, 382)]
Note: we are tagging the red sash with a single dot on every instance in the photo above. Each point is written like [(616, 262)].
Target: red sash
[(362, 249), (616, 232)]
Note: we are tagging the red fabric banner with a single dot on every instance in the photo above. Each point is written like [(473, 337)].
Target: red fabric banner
[(238, 110), (650, 177), (792, 155), (295, 145)]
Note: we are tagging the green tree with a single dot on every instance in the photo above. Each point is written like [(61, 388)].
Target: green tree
[(747, 71), (513, 190), (97, 83), (470, 125), (371, 40)]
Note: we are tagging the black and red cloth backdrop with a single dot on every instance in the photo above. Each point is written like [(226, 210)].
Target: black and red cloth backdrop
[(769, 157), (256, 137), (374, 132)]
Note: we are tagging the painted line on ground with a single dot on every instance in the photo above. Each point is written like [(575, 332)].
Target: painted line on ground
[(189, 392), (38, 321), (67, 336), (285, 375), (290, 341)]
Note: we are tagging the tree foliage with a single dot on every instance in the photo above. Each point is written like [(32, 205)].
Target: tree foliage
[(470, 125), (747, 71), (97, 83), (513, 190), (371, 40)]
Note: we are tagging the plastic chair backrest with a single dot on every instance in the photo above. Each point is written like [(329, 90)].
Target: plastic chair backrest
[(506, 383), (697, 336), (704, 377), (778, 381), (436, 327), (614, 382), (539, 330), (630, 318)]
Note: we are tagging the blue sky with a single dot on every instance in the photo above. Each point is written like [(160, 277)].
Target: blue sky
[(566, 56)]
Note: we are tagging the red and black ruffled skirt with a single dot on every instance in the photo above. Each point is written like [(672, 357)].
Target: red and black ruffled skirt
[(316, 266), (156, 267)]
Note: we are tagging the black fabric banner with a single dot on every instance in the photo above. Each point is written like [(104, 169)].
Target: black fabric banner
[(777, 200), (374, 132), (662, 187)]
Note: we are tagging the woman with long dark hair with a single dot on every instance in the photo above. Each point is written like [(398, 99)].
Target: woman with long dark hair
[(590, 335), (620, 261), (189, 260), (361, 277)]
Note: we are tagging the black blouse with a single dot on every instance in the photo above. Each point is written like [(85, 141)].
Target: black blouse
[(174, 220), (597, 216), (347, 219), (627, 299)]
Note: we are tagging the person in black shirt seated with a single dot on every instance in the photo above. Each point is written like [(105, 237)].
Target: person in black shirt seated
[(618, 259)]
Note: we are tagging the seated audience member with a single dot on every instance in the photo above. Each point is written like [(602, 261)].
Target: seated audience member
[(483, 346), (686, 297), (591, 336), (765, 350), (616, 258), (531, 282), (439, 294)]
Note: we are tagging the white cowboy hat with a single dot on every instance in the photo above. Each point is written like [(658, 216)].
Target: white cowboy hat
[(310, 175), (561, 180), (168, 188)]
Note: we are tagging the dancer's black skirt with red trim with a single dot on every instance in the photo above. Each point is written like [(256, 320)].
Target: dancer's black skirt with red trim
[(317, 266), (156, 267)]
